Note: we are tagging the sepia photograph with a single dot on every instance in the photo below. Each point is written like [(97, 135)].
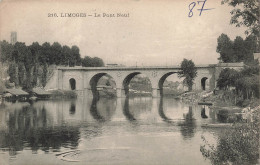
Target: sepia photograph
[(129, 82)]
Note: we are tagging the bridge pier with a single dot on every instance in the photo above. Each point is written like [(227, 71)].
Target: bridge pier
[(156, 92), (88, 93), (120, 93)]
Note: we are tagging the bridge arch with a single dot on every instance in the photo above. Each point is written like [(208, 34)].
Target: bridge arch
[(94, 83), (161, 81), (72, 82), (127, 80), (204, 84)]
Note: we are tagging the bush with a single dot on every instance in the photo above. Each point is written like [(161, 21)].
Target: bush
[(58, 94), (239, 145)]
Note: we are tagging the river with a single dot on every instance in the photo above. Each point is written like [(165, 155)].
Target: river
[(139, 130)]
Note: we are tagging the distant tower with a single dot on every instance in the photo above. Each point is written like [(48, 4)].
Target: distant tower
[(13, 37)]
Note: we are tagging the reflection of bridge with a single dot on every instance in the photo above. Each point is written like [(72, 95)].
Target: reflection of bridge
[(61, 120), (86, 78)]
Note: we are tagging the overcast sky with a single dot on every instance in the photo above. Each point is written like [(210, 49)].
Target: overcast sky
[(157, 32)]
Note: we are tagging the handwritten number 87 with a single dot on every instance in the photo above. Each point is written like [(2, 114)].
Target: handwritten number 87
[(193, 4)]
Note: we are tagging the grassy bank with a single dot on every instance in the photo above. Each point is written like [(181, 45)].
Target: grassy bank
[(63, 94)]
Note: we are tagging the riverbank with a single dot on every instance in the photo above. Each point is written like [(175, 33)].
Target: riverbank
[(62, 94), (223, 103)]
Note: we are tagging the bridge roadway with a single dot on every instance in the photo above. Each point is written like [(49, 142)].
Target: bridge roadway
[(85, 79)]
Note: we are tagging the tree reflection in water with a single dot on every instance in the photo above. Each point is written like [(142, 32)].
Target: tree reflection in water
[(28, 127), (189, 125)]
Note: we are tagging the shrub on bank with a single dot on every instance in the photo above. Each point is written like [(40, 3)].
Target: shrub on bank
[(236, 146), (58, 94)]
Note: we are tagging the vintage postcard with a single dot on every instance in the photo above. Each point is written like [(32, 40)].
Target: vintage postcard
[(129, 82)]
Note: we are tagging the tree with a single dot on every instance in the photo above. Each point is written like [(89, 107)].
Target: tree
[(97, 62), (75, 56), (227, 78), (21, 72), (248, 82), (92, 62), (225, 48), (28, 81), (56, 50), (239, 49), (239, 145), (189, 72), (35, 75), (245, 13), (6, 50), (44, 74), (12, 73), (35, 49), (45, 55), (86, 61), (66, 51), (251, 46)]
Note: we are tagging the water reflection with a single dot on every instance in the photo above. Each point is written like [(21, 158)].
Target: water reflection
[(212, 114), (115, 126), (137, 109), (203, 112), (161, 112), (28, 128), (189, 125), (72, 108), (102, 109), (94, 112), (126, 111)]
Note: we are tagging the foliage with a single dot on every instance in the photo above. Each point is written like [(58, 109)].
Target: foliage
[(239, 50), (189, 72), (239, 145), (35, 76), (21, 74), (57, 94), (12, 73), (44, 75), (75, 56), (2, 77), (246, 82), (245, 13), (2, 86), (28, 80), (33, 60), (227, 78), (224, 47), (92, 62), (6, 50), (35, 49), (56, 54), (66, 52)]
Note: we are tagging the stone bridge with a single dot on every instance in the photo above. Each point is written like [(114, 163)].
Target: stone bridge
[(85, 79)]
